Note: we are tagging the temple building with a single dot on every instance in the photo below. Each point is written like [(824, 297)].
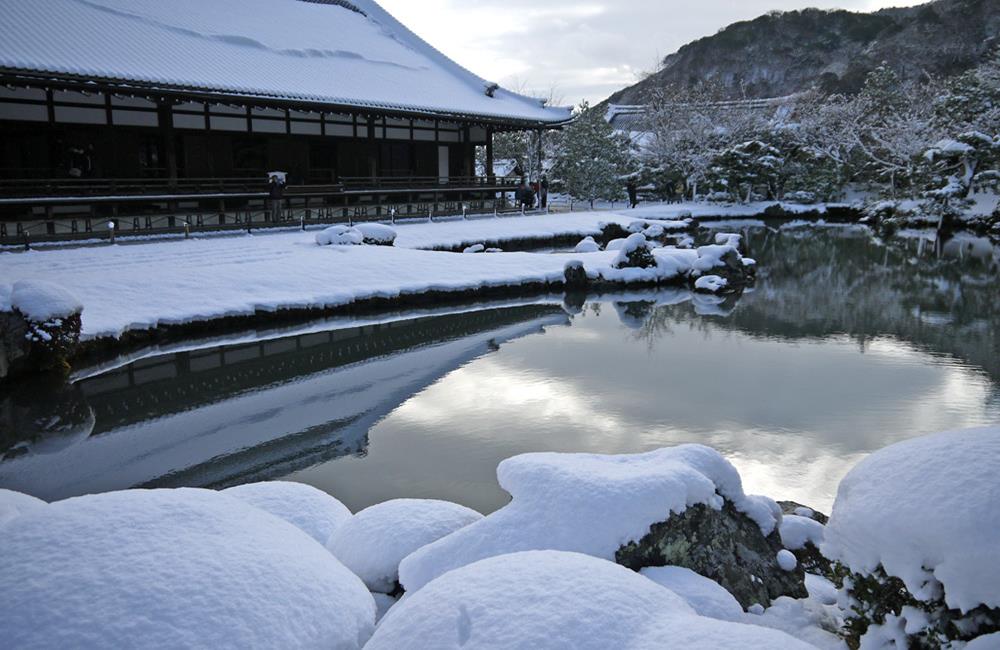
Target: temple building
[(153, 115)]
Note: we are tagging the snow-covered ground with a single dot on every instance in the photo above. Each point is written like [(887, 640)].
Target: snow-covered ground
[(145, 285)]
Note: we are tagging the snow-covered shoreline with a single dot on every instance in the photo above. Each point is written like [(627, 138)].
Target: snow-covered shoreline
[(144, 286), (283, 564)]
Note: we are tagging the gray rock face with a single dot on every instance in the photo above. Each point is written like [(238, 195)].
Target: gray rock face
[(13, 344), (724, 545), (31, 347)]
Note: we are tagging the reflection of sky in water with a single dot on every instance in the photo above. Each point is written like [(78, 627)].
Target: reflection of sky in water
[(792, 416)]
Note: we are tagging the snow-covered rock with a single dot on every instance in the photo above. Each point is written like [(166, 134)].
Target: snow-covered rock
[(615, 245), (588, 503), (173, 568), (547, 600), (707, 597), (475, 248), (41, 300), (927, 510), (786, 560), (710, 284), (13, 504), (340, 236), (314, 511), (634, 253), (728, 239), (797, 530), (587, 245), (374, 541), (377, 233)]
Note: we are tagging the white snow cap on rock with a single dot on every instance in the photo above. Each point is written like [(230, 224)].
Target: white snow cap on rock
[(373, 542), (41, 300), (796, 530), (928, 511), (588, 503), (548, 600), (632, 244), (615, 245), (706, 596), (14, 504), (314, 511), (377, 232), (475, 248), (174, 568), (728, 239), (710, 283), (340, 236), (710, 257), (587, 245)]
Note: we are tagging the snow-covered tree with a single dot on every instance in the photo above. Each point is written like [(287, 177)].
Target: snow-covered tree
[(747, 170), (593, 159)]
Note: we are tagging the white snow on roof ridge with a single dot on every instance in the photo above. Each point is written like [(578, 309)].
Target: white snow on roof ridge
[(315, 52)]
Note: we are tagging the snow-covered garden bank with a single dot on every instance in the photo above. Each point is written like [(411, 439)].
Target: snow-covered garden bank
[(912, 536), (142, 286)]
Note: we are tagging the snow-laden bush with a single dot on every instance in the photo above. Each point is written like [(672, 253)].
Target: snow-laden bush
[(314, 511), (340, 236), (915, 526), (377, 234), (373, 542), (636, 253), (52, 317), (173, 568), (549, 600), (587, 245)]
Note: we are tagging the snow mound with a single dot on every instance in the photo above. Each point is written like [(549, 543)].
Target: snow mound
[(728, 239), (14, 504), (548, 599), (786, 560), (377, 233), (711, 257), (654, 231), (796, 530), (174, 568), (707, 597), (40, 300), (374, 541), (615, 245), (475, 248), (314, 511), (928, 511), (587, 245), (710, 283), (340, 236), (588, 503)]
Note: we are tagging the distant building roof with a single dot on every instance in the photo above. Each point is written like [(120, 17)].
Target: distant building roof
[(335, 52)]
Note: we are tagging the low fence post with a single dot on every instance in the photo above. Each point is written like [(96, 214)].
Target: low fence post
[(392, 216), (187, 229), (111, 231), (465, 209)]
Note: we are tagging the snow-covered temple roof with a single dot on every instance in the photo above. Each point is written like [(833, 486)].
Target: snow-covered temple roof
[(344, 53)]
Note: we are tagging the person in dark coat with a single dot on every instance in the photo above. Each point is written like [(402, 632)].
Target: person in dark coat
[(543, 192), (633, 193), (275, 192)]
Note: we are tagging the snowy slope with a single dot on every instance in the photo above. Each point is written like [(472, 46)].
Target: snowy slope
[(285, 49)]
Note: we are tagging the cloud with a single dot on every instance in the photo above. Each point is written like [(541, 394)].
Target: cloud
[(580, 50)]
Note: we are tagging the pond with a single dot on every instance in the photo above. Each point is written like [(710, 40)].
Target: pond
[(845, 345)]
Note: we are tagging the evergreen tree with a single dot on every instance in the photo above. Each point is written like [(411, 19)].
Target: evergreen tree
[(593, 160)]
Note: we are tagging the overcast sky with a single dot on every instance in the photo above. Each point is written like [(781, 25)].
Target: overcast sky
[(583, 49)]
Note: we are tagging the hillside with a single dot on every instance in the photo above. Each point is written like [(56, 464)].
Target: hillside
[(785, 52)]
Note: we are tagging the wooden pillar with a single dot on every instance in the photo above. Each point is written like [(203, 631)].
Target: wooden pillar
[(166, 119), (539, 154), (489, 155)]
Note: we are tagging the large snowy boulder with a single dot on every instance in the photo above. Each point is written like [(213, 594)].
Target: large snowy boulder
[(591, 504), (172, 569), (313, 511), (552, 600), (916, 524), (373, 542), (14, 504), (587, 245)]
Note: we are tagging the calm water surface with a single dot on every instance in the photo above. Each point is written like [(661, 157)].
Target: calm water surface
[(846, 345)]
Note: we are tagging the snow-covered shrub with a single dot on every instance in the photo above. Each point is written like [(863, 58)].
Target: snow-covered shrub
[(587, 245), (52, 319), (549, 600), (575, 275), (635, 253), (377, 234), (373, 542), (301, 505), (915, 527), (340, 236), (173, 568)]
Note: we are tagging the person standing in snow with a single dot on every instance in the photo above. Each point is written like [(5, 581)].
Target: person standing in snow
[(543, 192), (633, 193), (275, 192)]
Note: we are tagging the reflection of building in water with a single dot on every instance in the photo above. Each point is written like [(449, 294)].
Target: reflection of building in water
[(229, 415)]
